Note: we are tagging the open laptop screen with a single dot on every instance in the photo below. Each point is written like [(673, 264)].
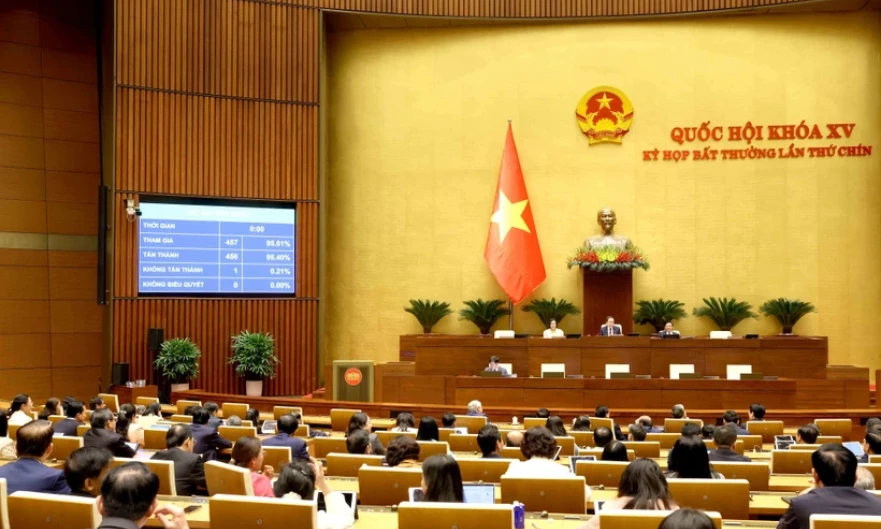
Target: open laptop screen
[(483, 494)]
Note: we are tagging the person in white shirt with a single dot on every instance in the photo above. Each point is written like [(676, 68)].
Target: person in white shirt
[(553, 332), (20, 410), (539, 447), (298, 481)]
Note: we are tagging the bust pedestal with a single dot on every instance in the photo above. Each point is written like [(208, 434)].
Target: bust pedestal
[(607, 294)]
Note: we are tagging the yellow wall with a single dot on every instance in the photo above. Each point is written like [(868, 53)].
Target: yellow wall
[(417, 121)]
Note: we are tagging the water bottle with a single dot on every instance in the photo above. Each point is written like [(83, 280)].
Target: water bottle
[(519, 515)]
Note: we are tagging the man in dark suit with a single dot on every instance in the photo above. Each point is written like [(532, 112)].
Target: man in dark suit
[(602, 412), (834, 471), (29, 473), (601, 437), (189, 471), (494, 366), (358, 442), (724, 438), (647, 423), (871, 445), (208, 441), (490, 442), (214, 421), (731, 417), (128, 500), (103, 434), (84, 470), (76, 415), (610, 329), (287, 427)]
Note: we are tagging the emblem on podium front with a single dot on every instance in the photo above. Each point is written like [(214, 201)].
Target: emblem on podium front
[(604, 114)]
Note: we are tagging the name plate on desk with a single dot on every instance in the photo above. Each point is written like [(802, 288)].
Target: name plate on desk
[(620, 375), (690, 375), (752, 376)]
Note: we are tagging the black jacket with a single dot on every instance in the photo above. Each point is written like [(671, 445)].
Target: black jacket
[(728, 455), (829, 500), (103, 438), (189, 471), (117, 523), (208, 442)]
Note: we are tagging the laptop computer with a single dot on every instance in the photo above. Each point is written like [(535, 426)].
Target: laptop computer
[(482, 494), (573, 460), (133, 446), (783, 442), (269, 427), (462, 430), (350, 497), (856, 448)]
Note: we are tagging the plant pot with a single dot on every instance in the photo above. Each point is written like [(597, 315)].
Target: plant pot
[(787, 329), (254, 388), (185, 386)]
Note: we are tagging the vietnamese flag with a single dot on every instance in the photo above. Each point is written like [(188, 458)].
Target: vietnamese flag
[(512, 251)]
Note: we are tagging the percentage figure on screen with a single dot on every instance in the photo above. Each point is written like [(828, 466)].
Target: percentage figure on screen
[(280, 271), (257, 229), (278, 257), (271, 243), (280, 284)]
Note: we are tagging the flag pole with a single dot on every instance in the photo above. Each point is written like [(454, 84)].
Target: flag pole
[(510, 314)]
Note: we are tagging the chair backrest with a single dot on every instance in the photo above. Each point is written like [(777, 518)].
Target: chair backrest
[(583, 439), (145, 401), (675, 425), (182, 405), (513, 452), (82, 429), (791, 462), (875, 459), (111, 400), (844, 521), (347, 465), (278, 411), (605, 473), (738, 446), (64, 445), (667, 440), (485, 470), (4, 507), (597, 422), (810, 447), (767, 429), (234, 433), (463, 442), (840, 427), (751, 442), (425, 515), (155, 439), (558, 494), (32, 510), (276, 456), (163, 469), (758, 474), (824, 439), (12, 430), (875, 469), (473, 422), (530, 422), (432, 448), (186, 419), (328, 445), (729, 497), (387, 486), (598, 452), (234, 408), (386, 437), (302, 431), (55, 418), (227, 511), (339, 418), (223, 478), (445, 433), (632, 519), (568, 445), (644, 449)]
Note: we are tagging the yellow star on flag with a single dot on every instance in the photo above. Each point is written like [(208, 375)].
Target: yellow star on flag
[(604, 101), (509, 216)]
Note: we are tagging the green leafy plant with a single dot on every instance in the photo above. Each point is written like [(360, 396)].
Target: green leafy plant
[(657, 312), (787, 311), (551, 309), (483, 314), (725, 313), (178, 360), (253, 354), (428, 312)]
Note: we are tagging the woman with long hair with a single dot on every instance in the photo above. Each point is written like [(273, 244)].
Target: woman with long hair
[(642, 487), (52, 407), (299, 479), (19, 412), (581, 424), (442, 480), (405, 423), (428, 430), (253, 415), (133, 431), (689, 459), (151, 416), (248, 453), (555, 425), (361, 421)]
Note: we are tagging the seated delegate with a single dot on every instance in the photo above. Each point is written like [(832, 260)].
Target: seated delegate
[(553, 331), (610, 329), (495, 367)]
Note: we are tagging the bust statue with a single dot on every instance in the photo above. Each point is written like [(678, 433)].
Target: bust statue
[(606, 219)]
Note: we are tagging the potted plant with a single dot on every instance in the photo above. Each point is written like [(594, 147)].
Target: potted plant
[(657, 312), (551, 309), (428, 312), (787, 311), (725, 313), (483, 314), (253, 354), (178, 360)]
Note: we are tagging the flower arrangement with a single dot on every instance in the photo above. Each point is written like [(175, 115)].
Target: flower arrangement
[(608, 258)]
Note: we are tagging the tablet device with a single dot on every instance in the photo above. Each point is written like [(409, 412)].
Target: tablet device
[(783, 442), (557, 453), (463, 430), (598, 505), (133, 446), (416, 494), (269, 427), (856, 448), (350, 497), (165, 427), (482, 494), (573, 460)]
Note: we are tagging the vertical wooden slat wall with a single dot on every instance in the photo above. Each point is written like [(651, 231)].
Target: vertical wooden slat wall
[(218, 98)]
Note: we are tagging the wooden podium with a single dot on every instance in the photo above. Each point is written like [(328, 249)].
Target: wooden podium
[(607, 294)]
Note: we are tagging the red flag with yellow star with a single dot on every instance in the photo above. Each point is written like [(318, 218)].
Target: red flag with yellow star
[(512, 251)]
